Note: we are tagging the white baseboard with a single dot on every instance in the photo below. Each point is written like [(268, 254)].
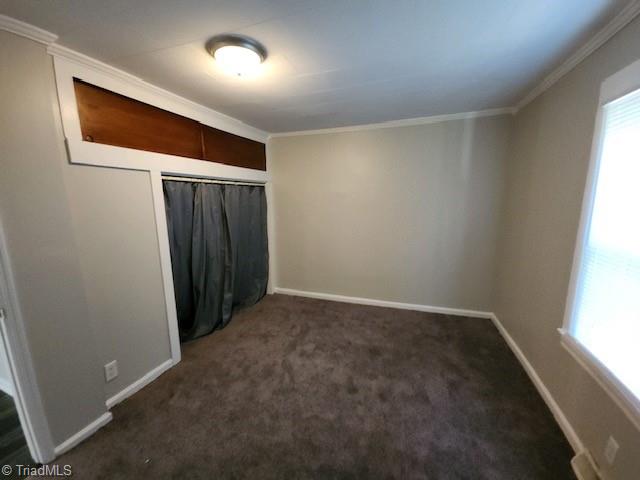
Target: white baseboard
[(83, 434), (558, 414), (138, 384), (384, 303), (101, 421), (569, 432), (584, 467)]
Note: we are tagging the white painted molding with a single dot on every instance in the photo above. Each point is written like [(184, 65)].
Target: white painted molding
[(407, 122), (617, 391), (26, 30), (620, 84), (83, 434), (139, 384), (164, 250), (199, 112), (584, 467), (384, 303), (271, 228), (69, 65), (271, 236), (625, 16), (90, 153), (558, 414), (612, 88), (614, 26), (25, 386)]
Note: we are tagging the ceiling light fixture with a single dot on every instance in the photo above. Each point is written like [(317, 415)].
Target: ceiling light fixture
[(237, 54)]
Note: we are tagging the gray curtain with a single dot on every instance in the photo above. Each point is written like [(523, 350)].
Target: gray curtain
[(219, 252)]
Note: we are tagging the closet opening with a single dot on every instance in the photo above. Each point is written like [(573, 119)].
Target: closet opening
[(219, 250)]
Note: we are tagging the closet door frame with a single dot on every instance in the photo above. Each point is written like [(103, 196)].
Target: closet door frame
[(69, 65)]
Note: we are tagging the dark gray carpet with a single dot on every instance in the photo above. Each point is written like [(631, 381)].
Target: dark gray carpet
[(13, 445), (301, 388)]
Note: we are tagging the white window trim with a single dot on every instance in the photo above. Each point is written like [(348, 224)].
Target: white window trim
[(616, 86)]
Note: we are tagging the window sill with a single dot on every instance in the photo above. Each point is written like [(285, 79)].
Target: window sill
[(620, 394)]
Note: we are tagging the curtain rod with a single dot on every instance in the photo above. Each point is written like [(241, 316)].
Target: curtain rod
[(211, 180)]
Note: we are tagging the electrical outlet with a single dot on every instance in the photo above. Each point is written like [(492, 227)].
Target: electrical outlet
[(610, 450), (111, 370)]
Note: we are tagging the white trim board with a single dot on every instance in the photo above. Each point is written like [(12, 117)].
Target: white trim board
[(69, 65), (620, 21), (584, 467), (558, 414), (26, 30), (25, 386), (139, 384), (164, 250), (83, 434), (157, 96), (612, 88), (384, 303), (407, 122), (614, 388)]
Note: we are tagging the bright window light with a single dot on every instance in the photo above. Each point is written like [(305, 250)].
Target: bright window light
[(606, 315)]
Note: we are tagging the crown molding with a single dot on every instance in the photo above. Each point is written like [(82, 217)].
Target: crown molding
[(407, 122), (25, 30), (626, 15), (56, 50), (47, 38)]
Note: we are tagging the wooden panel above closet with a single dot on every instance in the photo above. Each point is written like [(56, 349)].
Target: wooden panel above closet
[(233, 150), (113, 119)]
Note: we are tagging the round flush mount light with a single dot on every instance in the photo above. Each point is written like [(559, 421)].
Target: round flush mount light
[(237, 54)]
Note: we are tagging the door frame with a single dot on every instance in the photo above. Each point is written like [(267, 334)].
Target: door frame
[(69, 65), (25, 388)]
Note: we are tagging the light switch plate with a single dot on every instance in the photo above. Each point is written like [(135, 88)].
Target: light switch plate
[(111, 370), (610, 450)]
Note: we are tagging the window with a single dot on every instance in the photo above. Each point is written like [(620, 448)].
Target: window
[(603, 321)]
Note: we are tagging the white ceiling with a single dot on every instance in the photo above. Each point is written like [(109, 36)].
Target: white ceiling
[(331, 62)]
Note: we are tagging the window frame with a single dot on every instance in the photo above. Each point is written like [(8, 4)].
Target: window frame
[(613, 88)]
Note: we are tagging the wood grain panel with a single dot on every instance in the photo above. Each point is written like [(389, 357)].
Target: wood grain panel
[(113, 119), (230, 149)]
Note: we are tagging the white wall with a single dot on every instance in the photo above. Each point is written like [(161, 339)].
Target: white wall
[(406, 214), (546, 176)]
